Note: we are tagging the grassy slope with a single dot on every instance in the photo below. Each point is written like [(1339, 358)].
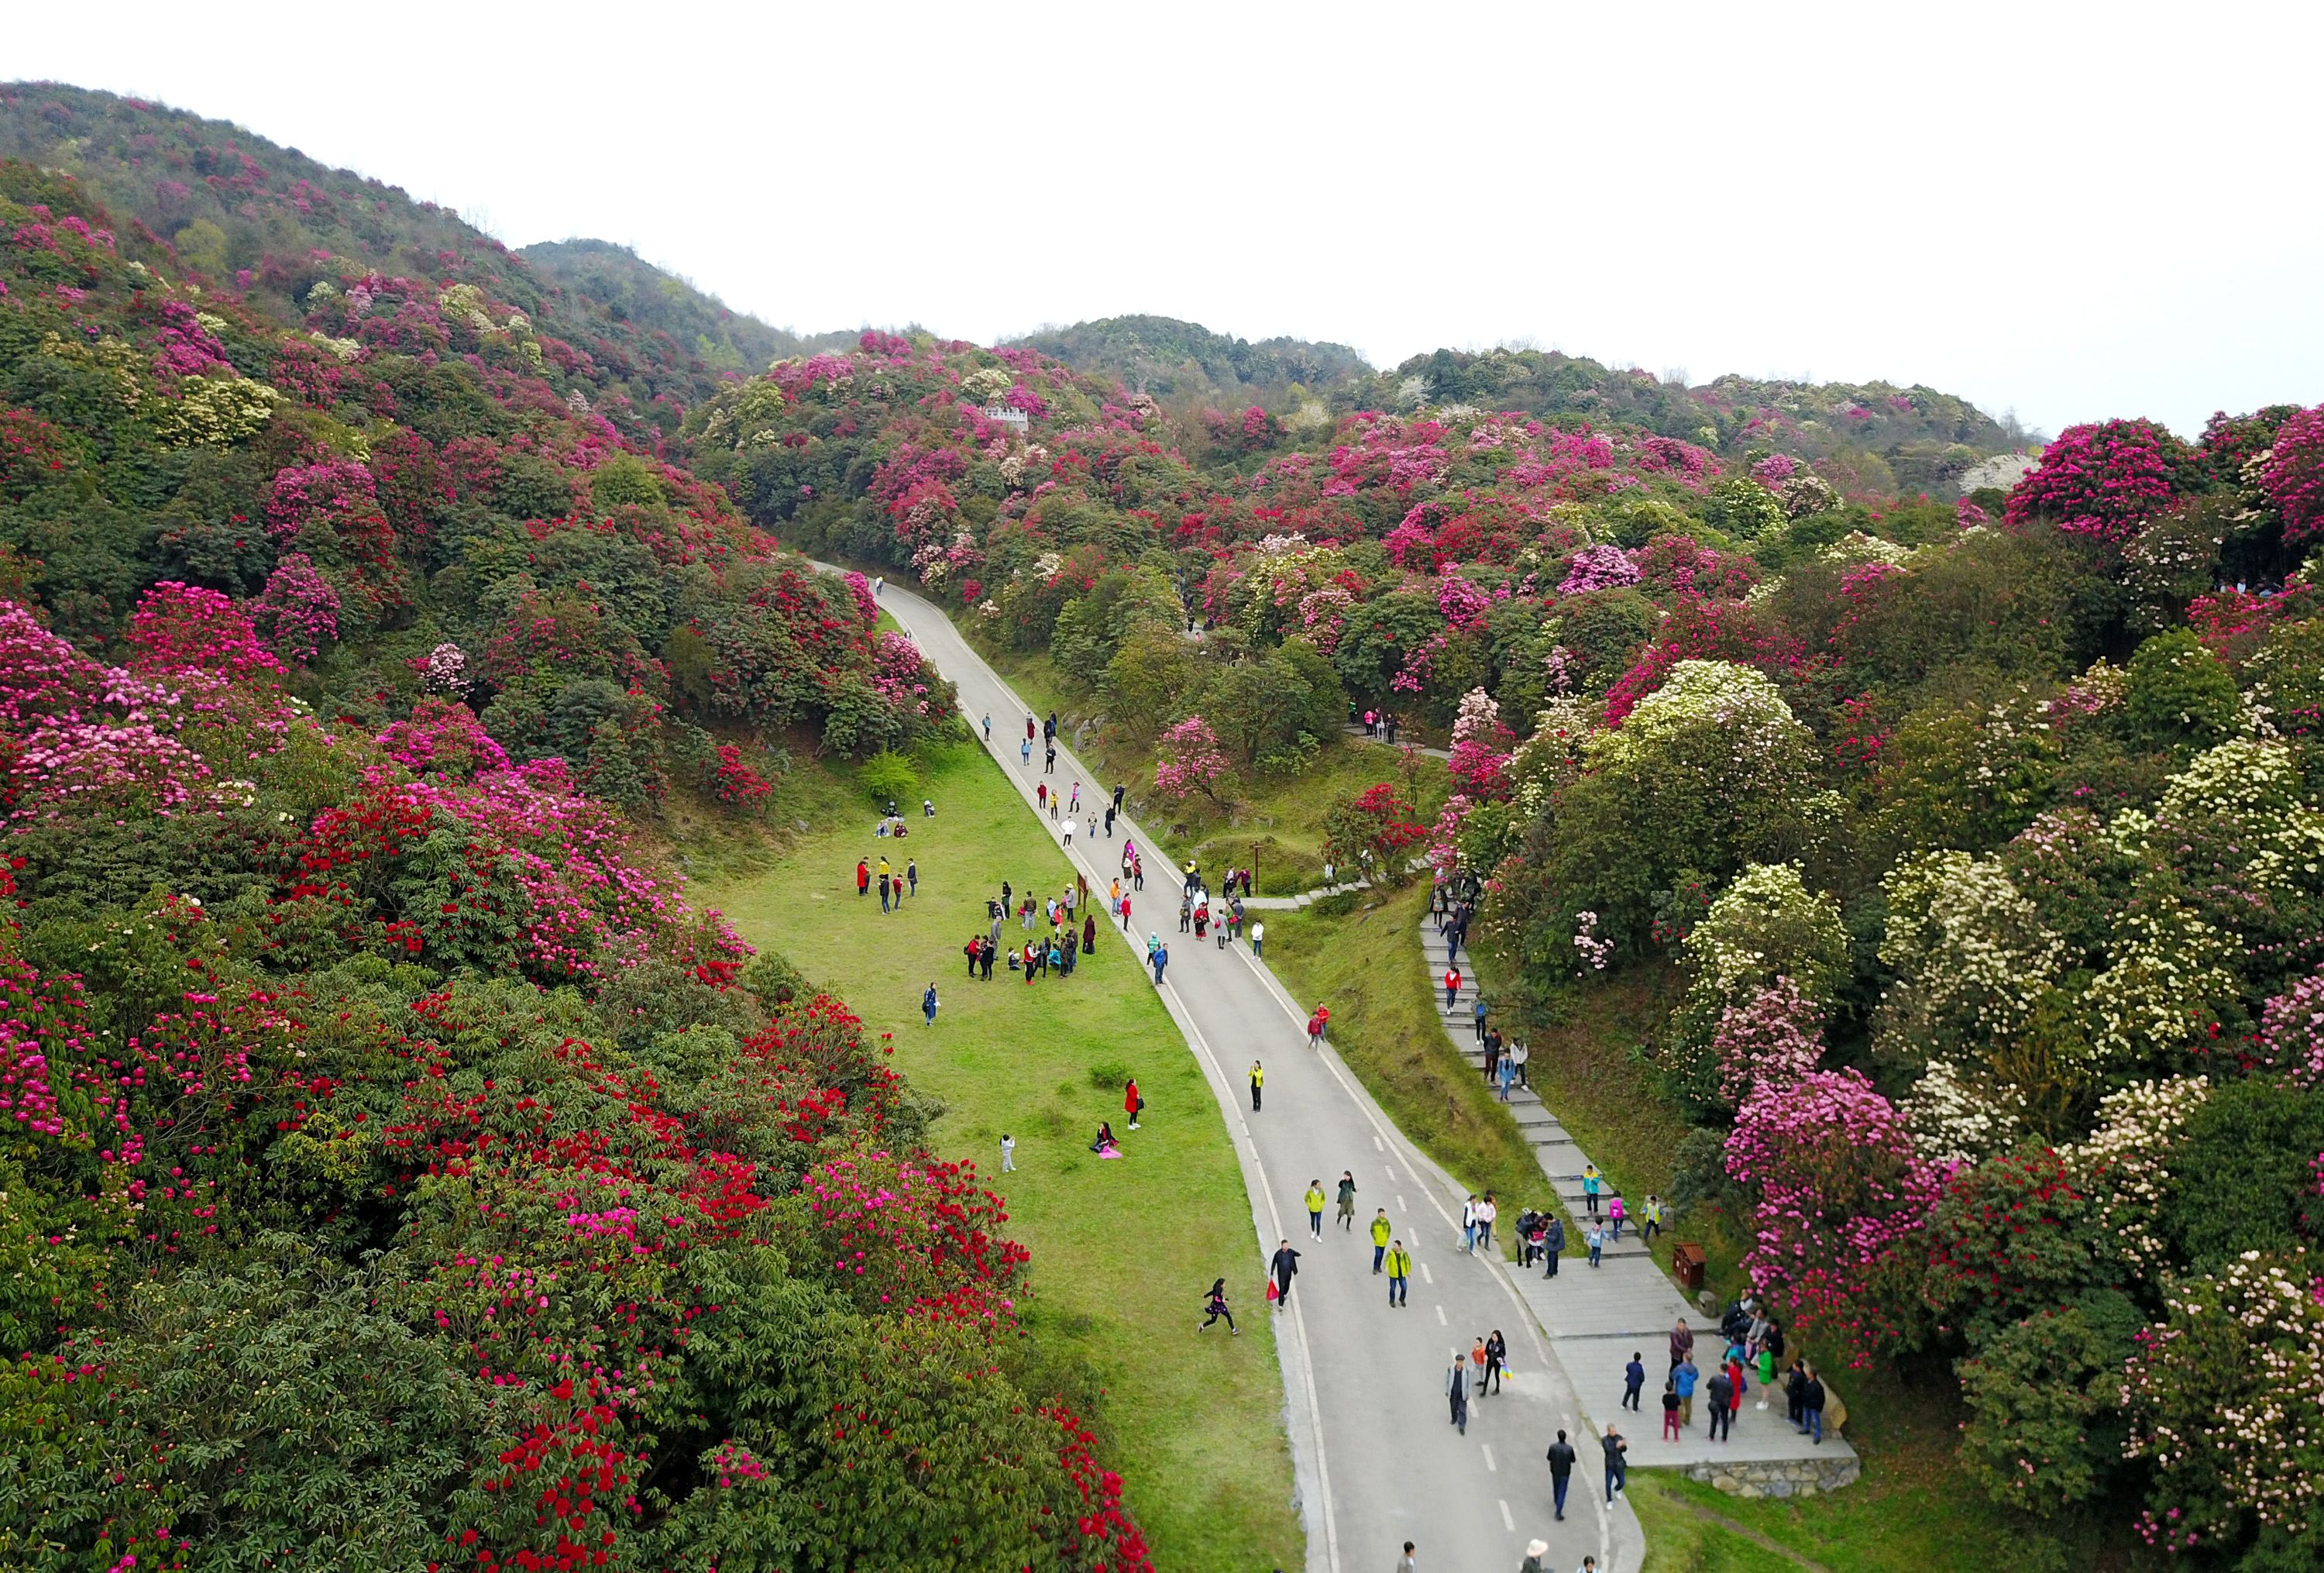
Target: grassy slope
[(1122, 1251)]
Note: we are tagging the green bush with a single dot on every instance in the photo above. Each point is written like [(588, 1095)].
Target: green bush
[(888, 777)]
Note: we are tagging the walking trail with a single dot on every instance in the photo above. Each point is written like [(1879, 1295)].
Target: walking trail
[(1375, 1460)]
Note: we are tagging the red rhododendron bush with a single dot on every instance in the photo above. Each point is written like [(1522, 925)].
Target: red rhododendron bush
[(394, 1163)]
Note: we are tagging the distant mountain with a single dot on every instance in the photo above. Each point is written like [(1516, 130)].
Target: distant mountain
[(633, 289), (230, 210), (1170, 359)]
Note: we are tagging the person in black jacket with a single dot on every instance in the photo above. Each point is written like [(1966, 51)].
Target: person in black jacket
[(1720, 1391), (1286, 1267), (1561, 1470), (1812, 1402), (1555, 1243), (1617, 1471), (1795, 1392), (1456, 1389)]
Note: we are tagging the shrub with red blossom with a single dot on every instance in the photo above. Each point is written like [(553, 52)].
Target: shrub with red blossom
[(2103, 480), (177, 628), (2292, 474)]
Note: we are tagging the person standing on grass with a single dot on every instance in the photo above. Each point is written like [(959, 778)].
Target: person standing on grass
[(1257, 939), (1258, 1080), (912, 874), (1399, 1274), (863, 877), (928, 1004), (1314, 1199), (1347, 1201), (973, 949), (883, 885), (1553, 1244), (1451, 987), (1131, 1103), (1456, 1388), (1381, 1228), (1617, 1470), (1089, 932), (1216, 1303), (991, 948), (1007, 1153), (1286, 1267), (1561, 1471), (1591, 1180)]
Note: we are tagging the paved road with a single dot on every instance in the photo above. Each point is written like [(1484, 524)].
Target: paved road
[(1377, 1462)]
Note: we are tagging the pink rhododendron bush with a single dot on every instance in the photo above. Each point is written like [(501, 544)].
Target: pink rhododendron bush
[(369, 1087)]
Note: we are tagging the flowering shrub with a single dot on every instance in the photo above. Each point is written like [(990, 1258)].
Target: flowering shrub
[(298, 608), (1187, 761), (1599, 567), (1773, 1037), (442, 738), (177, 627), (2102, 480), (2292, 475), (734, 782), (1373, 831)]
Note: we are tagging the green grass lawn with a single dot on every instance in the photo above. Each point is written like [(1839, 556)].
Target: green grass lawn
[(1122, 1251)]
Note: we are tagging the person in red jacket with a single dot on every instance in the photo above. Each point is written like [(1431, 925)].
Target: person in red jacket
[(862, 878), (1131, 1103), (1451, 987)]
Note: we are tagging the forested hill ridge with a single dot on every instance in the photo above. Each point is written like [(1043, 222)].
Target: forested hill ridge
[(235, 211)]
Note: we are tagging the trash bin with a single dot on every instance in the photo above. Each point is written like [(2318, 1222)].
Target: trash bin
[(1688, 1261)]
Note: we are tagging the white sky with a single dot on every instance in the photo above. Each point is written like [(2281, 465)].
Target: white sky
[(2076, 210)]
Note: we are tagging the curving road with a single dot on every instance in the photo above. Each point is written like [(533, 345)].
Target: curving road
[(1376, 1461)]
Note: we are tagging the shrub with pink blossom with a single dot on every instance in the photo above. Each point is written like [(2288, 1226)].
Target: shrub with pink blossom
[(442, 738), (298, 610), (1775, 1036), (2292, 474), (2103, 480), (1188, 760), (1599, 567), (177, 628)]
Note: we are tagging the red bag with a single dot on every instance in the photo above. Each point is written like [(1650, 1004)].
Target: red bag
[(1271, 1295)]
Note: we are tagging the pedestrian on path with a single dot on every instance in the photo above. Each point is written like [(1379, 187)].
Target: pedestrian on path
[(1535, 1552), (1595, 1238), (1720, 1392), (1007, 1153), (1487, 1211), (1451, 987), (1670, 1409), (1399, 1274), (1634, 1381), (1614, 1216), (1478, 1009), (1684, 1377), (1316, 1208), (1681, 1343), (1812, 1400), (1286, 1267), (1492, 1043), (928, 1004), (1469, 1226), (1216, 1303), (1561, 1471), (1381, 1228), (1509, 1075), (1050, 765), (988, 728), (1024, 752), (1456, 1388), (1347, 1200), (1617, 1471), (1257, 939), (1555, 1243), (1131, 1103), (1161, 960), (1518, 1054), (1258, 1080), (1650, 1218), (1496, 1360), (1407, 1563), (1591, 1180)]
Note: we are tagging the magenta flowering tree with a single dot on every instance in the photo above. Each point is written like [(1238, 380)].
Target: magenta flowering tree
[(1599, 567), (1188, 760), (1773, 1038), (177, 628), (299, 610), (1482, 746), (2291, 1037), (1840, 1200), (2103, 480), (2292, 474), (442, 738)]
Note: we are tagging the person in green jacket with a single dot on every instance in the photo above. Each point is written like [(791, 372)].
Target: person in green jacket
[(1348, 1200), (1315, 1208), (1399, 1273), (1591, 1180), (1380, 1239)]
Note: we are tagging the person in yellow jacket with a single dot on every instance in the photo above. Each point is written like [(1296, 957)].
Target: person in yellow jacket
[(1380, 1239), (1399, 1273), (1258, 1080), (1315, 1208)]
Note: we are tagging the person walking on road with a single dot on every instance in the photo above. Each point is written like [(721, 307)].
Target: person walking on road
[(1633, 1381), (1286, 1267), (1258, 1080), (1131, 1103), (1561, 1472), (1257, 939), (1024, 752), (1399, 1274), (1161, 960), (1617, 1471), (1535, 1552), (1553, 1245), (1316, 1208), (1469, 1226), (1456, 1388), (1488, 1210), (1347, 1200), (1216, 1303), (1381, 1228), (1496, 1359)]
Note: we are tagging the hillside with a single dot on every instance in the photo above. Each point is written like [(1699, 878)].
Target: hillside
[(634, 290)]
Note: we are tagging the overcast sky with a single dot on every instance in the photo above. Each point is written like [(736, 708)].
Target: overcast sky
[(2075, 211)]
